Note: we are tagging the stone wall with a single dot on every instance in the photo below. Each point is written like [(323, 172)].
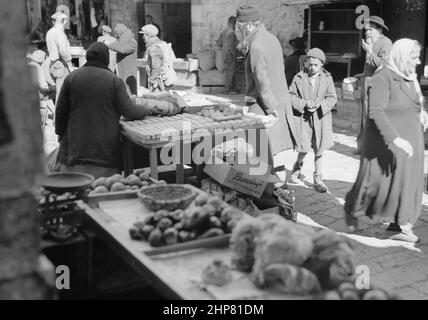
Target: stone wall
[(124, 11), (209, 18)]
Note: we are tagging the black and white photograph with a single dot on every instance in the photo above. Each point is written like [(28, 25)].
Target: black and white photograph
[(237, 152)]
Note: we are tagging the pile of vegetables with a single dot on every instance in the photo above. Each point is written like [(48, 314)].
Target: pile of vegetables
[(348, 291), (228, 195), (117, 182), (296, 259), (290, 257), (207, 217)]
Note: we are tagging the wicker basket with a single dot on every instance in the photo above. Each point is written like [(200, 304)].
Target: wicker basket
[(166, 197)]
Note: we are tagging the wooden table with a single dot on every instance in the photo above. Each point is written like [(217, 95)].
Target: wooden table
[(153, 145), (175, 275)]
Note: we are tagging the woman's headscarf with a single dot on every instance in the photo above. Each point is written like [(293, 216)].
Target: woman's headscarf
[(398, 62), (97, 55)]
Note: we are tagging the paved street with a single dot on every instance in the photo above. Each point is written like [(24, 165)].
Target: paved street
[(394, 265)]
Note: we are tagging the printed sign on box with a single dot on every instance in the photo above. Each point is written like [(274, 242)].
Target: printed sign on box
[(237, 177)]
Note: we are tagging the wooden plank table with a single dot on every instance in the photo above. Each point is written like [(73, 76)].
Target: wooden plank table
[(152, 140), (176, 275)]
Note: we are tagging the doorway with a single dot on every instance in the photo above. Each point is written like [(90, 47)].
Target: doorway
[(174, 21)]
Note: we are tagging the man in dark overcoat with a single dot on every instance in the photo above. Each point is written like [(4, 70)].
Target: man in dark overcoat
[(266, 85)]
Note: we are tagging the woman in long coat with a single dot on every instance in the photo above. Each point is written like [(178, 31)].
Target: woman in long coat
[(313, 96), (126, 48), (390, 179)]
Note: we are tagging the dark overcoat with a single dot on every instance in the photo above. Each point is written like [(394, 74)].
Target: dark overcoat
[(314, 127), (267, 86)]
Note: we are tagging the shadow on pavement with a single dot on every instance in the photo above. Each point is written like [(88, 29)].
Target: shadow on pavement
[(326, 211)]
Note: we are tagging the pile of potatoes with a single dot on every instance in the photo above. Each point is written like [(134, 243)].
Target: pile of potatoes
[(348, 291), (208, 217), (117, 182)]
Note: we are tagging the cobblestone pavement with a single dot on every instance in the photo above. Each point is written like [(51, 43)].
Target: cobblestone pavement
[(393, 265)]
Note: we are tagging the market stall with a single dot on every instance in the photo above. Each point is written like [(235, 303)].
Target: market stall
[(205, 116), (265, 257), (210, 243)]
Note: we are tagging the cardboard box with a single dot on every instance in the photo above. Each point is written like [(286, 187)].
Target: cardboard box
[(238, 177)]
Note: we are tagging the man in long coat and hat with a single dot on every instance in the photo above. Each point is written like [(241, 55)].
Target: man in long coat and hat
[(266, 85)]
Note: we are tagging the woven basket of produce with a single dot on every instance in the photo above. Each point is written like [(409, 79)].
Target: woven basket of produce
[(166, 197)]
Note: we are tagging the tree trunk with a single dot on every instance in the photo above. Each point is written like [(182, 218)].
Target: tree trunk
[(21, 151)]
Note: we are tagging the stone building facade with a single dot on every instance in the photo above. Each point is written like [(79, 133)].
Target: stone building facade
[(209, 18), (283, 18)]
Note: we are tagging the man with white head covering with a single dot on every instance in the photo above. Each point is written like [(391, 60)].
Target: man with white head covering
[(126, 58), (160, 58), (59, 50), (107, 39)]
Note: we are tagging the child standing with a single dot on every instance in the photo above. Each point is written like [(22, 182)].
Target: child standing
[(313, 96)]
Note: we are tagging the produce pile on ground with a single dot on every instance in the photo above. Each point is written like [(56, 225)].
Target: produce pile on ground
[(117, 182), (228, 195), (206, 217), (289, 257)]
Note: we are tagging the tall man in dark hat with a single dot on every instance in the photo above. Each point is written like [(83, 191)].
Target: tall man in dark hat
[(377, 48), (266, 86), (292, 62)]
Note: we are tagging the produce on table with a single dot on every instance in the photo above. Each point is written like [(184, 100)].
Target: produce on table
[(201, 199), (155, 238), (331, 259), (170, 236), (117, 183), (285, 198), (288, 278), (348, 291), (213, 232), (99, 189), (118, 186), (231, 112), (243, 243), (272, 247), (229, 196), (282, 244), (217, 273), (207, 218)]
